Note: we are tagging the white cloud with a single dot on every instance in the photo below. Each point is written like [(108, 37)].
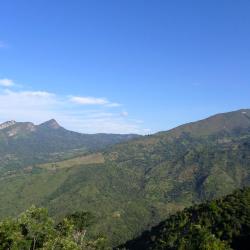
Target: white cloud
[(5, 82), (39, 106), (86, 100), (26, 105), (113, 105), (39, 94)]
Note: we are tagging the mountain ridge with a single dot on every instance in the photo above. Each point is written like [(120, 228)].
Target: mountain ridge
[(23, 143), (133, 185), (221, 122), (220, 119), (7, 124)]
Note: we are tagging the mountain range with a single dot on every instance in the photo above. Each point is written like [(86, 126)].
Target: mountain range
[(130, 182), (23, 143)]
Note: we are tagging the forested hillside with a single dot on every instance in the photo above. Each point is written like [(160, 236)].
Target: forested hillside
[(136, 184), (220, 224)]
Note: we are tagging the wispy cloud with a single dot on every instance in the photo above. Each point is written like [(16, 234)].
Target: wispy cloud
[(113, 105), (25, 94), (5, 82), (72, 113), (86, 100)]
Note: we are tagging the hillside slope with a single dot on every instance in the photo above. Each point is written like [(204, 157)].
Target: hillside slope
[(134, 185), (218, 224), (220, 123)]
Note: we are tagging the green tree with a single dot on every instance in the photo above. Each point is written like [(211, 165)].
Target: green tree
[(200, 238), (34, 229), (11, 236), (36, 226)]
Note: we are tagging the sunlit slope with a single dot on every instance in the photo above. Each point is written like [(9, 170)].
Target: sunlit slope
[(135, 184)]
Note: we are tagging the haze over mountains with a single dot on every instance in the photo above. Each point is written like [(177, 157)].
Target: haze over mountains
[(129, 184), (23, 143)]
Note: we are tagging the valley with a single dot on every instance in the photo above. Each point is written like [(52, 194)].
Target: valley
[(129, 182)]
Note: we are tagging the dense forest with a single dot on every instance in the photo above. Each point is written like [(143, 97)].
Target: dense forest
[(221, 224), (34, 229)]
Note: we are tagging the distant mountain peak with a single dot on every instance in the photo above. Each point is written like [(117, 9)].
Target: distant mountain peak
[(7, 124), (52, 123)]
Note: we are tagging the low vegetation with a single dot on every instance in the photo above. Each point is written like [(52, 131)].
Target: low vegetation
[(74, 162)]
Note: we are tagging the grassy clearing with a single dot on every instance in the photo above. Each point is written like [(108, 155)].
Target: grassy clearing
[(77, 161)]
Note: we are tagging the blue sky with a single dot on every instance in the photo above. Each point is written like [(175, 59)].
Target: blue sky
[(123, 66)]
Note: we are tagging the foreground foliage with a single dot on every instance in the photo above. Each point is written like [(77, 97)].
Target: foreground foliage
[(34, 229), (221, 224)]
